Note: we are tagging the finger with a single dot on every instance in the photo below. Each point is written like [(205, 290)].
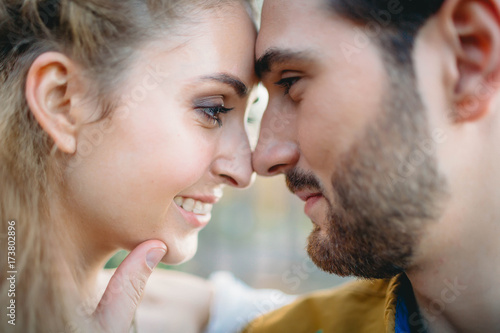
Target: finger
[(123, 294)]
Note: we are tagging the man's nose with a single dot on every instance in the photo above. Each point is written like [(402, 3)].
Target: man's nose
[(276, 151)]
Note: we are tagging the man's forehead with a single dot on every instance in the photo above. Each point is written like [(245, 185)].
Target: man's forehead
[(292, 5), (287, 22)]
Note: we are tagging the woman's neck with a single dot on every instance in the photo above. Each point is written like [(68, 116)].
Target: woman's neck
[(81, 257)]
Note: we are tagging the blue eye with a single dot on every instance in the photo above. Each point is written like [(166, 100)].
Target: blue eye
[(212, 113), (287, 83)]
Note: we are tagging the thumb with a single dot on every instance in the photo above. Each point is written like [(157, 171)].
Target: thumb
[(123, 294)]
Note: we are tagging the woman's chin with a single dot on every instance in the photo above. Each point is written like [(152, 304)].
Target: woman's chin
[(180, 252)]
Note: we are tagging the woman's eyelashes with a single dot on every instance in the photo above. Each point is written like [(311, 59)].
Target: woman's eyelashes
[(212, 114), (287, 83)]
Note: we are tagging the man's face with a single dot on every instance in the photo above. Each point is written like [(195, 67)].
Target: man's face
[(340, 123)]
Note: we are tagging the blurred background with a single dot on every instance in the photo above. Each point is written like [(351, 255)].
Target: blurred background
[(259, 234)]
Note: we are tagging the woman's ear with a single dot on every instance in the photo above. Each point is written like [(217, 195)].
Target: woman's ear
[(474, 29), (51, 97)]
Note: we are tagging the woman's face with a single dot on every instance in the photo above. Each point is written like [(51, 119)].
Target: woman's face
[(154, 169)]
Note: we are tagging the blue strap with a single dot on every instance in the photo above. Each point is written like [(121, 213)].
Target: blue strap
[(402, 320)]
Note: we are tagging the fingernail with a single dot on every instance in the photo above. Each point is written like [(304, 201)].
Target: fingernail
[(154, 256)]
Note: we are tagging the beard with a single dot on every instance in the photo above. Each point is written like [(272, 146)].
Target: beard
[(383, 197)]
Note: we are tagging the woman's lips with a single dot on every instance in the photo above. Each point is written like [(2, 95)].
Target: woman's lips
[(196, 212)]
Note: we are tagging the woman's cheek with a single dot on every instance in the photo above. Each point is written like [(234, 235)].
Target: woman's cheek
[(189, 163)]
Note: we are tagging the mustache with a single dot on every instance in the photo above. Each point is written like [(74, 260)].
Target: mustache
[(297, 180)]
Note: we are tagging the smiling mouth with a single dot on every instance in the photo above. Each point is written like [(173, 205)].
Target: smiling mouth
[(193, 206)]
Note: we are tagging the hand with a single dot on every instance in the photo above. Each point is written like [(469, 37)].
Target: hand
[(123, 294)]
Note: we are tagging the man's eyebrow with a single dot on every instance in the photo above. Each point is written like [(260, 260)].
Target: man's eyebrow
[(274, 57), (235, 83)]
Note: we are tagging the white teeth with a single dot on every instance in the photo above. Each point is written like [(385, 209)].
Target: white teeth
[(218, 192), (188, 204), (194, 206), (198, 208), (179, 201)]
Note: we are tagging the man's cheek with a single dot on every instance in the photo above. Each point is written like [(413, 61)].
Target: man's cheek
[(318, 151)]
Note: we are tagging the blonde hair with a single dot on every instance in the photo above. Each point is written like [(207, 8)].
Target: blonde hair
[(101, 36)]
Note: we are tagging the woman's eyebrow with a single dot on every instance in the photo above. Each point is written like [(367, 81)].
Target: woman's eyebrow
[(239, 87)]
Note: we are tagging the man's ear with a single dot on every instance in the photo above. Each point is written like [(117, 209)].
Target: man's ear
[(51, 97), (474, 29)]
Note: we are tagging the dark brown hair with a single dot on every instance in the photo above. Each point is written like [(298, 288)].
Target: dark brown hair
[(400, 21)]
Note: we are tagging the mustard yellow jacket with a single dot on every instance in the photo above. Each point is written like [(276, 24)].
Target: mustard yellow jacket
[(365, 306)]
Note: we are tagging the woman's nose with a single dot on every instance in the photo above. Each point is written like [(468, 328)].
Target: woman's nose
[(234, 166)]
